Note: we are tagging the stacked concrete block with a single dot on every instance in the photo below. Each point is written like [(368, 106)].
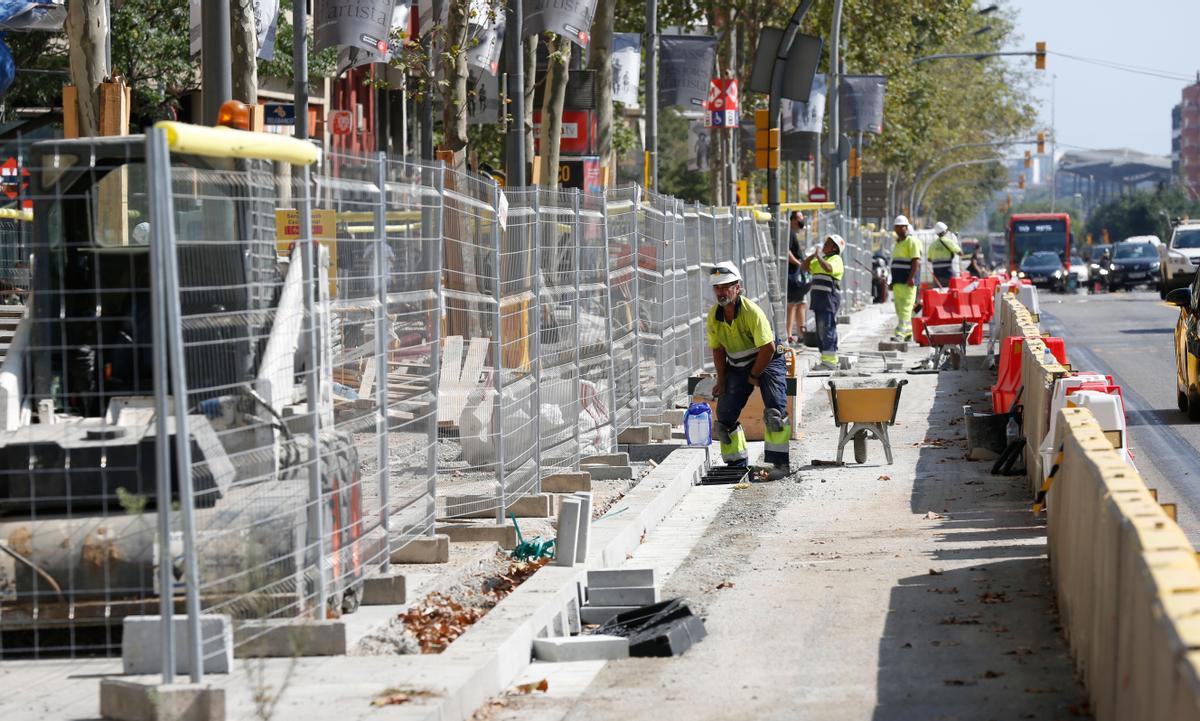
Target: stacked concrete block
[(584, 527), (605, 472), (615, 591), (141, 644), (580, 648)]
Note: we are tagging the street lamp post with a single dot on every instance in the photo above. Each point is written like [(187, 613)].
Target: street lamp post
[(941, 171), (775, 99), (514, 92), (651, 159), (912, 198)]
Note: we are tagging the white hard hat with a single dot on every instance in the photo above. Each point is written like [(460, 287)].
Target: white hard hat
[(141, 233), (940, 227), (838, 240), (901, 220), (723, 273)]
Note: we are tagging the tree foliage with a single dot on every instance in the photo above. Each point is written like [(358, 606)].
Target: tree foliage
[(1145, 212)]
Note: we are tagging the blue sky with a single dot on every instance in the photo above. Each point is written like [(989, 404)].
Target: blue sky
[(1099, 107)]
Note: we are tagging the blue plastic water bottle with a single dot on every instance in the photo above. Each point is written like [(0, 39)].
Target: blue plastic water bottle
[(697, 425)]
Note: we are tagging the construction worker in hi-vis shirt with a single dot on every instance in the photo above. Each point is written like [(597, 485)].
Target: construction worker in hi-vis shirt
[(747, 355)]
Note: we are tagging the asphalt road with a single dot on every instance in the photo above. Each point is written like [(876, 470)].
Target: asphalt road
[(1130, 335)]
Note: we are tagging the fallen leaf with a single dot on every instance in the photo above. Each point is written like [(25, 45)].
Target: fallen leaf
[(959, 621), (884, 478), (527, 688), (957, 682), (724, 584), (933, 589), (743, 486), (993, 674), (392, 699), (907, 645), (931, 516), (945, 643), (1020, 651), (934, 573)]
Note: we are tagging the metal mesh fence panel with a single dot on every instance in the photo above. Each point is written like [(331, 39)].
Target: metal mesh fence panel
[(78, 493), (470, 353), (697, 226), (681, 326), (561, 337), (622, 217), (655, 305), (596, 362), (521, 395)]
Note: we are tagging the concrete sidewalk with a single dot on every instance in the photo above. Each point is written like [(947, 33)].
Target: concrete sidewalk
[(919, 590)]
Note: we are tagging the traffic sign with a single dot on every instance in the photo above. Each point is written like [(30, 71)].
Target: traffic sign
[(817, 194), (722, 104), (279, 114)]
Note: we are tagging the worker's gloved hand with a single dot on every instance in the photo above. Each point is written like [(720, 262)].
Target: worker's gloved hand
[(774, 420), (722, 433)]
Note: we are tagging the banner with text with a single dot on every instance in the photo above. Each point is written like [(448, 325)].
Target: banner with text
[(626, 68), (570, 18), (685, 67)]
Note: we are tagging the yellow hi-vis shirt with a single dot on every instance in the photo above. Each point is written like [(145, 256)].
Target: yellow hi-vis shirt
[(741, 337), (902, 256)]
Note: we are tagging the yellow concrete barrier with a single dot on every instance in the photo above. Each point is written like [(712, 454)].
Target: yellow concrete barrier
[(1127, 582), (1039, 370)]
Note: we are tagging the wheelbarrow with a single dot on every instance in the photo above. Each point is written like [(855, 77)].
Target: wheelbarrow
[(949, 343), (865, 412)]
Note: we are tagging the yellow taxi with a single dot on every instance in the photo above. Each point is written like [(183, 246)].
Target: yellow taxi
[(1187, 347)]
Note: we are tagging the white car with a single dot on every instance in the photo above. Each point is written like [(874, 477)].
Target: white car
[(1180, 257), (1079, 269)]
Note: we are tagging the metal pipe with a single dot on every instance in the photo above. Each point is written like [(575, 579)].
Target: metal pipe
[(383, 430), (514, 62), (183, 446), (431, 224), (835, 132), (575, 225), (537, 335), (651, 160), (309, 256), (499, 357), (635, 247), (427, 96), (160, 168), (608, 327), (960, 164), (215, 59), (299, 68)]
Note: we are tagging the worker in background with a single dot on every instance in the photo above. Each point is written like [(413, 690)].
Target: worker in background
[(977, 267), (827, 269), (746, 355), (906, 275), (942, 252), (797, 282)]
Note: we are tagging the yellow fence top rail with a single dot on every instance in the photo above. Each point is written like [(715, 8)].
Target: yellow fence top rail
[(23, 214), (789, 207), (230, 143)]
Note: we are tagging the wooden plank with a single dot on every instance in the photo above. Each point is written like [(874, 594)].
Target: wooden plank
[(451, 371), (476, 354), (367, 381)]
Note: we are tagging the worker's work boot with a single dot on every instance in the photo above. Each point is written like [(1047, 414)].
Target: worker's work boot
[(779, 471)]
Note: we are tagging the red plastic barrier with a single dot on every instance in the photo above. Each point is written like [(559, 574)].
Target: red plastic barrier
[(954, 307), (1008, 378)]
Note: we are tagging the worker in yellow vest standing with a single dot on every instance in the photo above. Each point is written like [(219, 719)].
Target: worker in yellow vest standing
[(747, 355), (906, 276), (825, 296), (941, 255)]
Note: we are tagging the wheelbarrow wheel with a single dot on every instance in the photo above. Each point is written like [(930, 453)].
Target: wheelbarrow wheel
[(860, 447)]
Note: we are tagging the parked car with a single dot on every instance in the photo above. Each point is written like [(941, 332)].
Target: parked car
[(1045, 270), (1179, 258), (1134, 263), (1187, 336)]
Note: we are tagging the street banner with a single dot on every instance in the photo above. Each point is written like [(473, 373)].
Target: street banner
[(25, 15), (699, 147), (363, 24), (861, 102), (626, 68), (805, 117), (266, 13), (426, 22), (483, 98), (485, 35), (685, 67), (569, 18), (353, 56)]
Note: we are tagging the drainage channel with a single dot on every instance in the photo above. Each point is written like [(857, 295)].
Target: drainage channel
[(723, 475)]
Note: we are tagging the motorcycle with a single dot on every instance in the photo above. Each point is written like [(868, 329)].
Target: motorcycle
[(881, 278), (1099, 279)]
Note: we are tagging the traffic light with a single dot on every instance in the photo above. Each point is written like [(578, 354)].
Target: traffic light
[(855, 164), (766, 141), (1021, 181), (743, 192), (1028, 159), (1041, 144), (1039, 56)]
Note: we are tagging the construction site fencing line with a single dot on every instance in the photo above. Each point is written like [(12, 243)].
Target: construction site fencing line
[(242, 386)]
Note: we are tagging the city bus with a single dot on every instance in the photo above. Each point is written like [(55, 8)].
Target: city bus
[(1033, 232)]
